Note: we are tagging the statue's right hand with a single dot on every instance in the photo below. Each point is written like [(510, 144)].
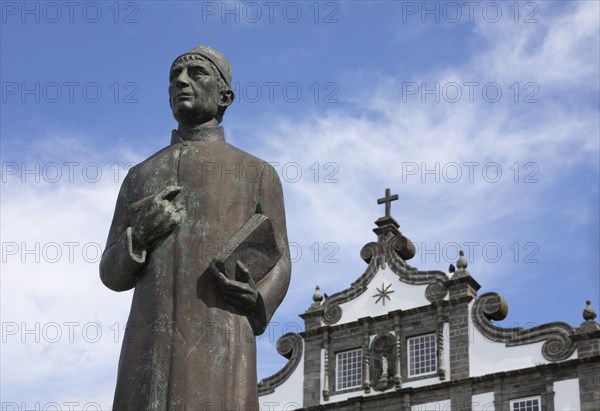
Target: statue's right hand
[(156, 219)]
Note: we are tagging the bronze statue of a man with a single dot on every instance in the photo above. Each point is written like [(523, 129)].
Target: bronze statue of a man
[(189, 342)]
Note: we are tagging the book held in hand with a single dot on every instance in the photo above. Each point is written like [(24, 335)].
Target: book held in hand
[(254, 245)]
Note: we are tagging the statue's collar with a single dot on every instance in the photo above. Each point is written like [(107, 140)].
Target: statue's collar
[(212, 133)]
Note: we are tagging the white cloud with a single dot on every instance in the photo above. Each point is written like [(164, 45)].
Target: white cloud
[(548, 140), (559, 50), (57, 317)]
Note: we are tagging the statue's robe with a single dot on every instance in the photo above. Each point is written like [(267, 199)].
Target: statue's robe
[(184, 347)]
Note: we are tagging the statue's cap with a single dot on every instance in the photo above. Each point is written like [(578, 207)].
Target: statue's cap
[(215, 57)]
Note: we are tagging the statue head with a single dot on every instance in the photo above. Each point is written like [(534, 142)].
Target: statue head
[(200, 87)]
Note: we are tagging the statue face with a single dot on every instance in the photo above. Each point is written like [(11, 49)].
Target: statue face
[(194, 93)]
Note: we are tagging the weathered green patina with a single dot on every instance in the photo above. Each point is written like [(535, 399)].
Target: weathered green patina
[(189, 342)]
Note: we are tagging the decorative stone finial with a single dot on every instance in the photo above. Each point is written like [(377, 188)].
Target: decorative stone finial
[(317, 296), (462, 262), (588, 312)]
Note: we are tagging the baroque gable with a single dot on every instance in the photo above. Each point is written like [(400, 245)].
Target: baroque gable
[(402, 338)]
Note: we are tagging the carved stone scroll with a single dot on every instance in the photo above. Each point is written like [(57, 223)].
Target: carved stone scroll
[(556, 335), (290, 346)]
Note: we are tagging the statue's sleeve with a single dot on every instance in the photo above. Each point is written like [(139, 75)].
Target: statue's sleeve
[(273, 286), (120, 264)]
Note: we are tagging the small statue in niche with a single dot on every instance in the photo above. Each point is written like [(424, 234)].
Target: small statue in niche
[(384, 380), (384, 367)]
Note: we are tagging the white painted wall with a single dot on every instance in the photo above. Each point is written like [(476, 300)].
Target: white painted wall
[(404, 297), (566, 395), (290, 406), (422, 383), (487, 357), (483, 402), (432, 406), (289, 395), (345, 396)]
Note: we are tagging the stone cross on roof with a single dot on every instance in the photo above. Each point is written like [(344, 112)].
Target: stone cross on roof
[(387, 228), (387, 200)]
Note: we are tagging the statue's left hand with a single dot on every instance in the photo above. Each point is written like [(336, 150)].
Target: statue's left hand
[(242, 294)]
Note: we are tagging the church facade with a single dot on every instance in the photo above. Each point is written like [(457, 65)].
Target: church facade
[(407, 340)]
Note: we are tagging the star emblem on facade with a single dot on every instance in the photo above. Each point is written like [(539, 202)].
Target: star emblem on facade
[(383, 293)]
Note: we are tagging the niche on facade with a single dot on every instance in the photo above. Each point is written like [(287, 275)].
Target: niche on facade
[(383, 362)]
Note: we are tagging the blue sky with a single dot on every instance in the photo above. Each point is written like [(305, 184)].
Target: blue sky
[(484, 120)]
